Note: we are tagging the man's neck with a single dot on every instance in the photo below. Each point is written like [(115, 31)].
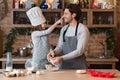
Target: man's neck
[(73, 23)]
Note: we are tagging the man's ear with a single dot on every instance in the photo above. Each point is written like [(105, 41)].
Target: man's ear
[(73, 15)]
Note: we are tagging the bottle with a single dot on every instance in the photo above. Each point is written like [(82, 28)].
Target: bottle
[(84, 20), (79, 4), (87, 3), (9, 64), (56, 17), (82, 4), (100, 20), (22, 5), (110, 19), (33, 4), (94, 5), (44, 5), (16, 4), (60, 4)]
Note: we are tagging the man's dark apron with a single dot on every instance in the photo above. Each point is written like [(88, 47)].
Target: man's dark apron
[(69, 45)]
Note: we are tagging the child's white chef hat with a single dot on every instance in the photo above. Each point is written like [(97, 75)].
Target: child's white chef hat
[(36, 16)]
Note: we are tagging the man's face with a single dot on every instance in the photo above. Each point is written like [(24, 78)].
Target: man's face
[(67, 16)]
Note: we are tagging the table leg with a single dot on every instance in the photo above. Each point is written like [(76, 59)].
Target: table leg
[(113, 65), (3, 64)]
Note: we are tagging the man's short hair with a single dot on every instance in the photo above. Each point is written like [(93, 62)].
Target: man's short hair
[(74, 8)]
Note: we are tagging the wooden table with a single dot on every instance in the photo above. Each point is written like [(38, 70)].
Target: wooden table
[(63, 75), (22, 60), (111, 61)]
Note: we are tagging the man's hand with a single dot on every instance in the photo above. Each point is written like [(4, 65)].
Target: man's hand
[(57, 60)]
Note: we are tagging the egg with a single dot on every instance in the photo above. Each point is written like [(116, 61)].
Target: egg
[(14, 70), (81, 71), (38, 73), (22, 73), (29, 72), (7, 74), (18, 73), (11, 74)]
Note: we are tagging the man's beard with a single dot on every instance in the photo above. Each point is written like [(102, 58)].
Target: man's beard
[(69, 21)]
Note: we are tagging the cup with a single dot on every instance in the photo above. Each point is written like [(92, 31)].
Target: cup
[(100, 5)]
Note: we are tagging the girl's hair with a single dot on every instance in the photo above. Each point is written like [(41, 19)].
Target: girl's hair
[(74, 8), (36, 28)]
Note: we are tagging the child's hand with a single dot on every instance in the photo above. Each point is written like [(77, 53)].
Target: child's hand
[(60, 21), (50, 55)]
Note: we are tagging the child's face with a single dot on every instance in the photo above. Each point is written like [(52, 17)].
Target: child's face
[(43, 25)]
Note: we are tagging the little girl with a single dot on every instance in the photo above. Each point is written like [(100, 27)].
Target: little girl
[(39, 38)]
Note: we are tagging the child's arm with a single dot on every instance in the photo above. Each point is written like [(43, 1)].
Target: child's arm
[(48, 31)]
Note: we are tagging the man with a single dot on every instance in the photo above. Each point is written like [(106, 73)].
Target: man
[(72, 41)]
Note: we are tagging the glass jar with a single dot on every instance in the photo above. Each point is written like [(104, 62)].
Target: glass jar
[(9, 63)]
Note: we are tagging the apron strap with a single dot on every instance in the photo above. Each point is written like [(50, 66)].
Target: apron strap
[(65, 32), (76, 29), (67, 29)]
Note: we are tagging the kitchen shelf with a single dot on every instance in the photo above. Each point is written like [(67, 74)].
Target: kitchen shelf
[(102, 10), (103, 18), (22, 25), (44, 10), (20, 18), (88, 12), (102, 26)]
